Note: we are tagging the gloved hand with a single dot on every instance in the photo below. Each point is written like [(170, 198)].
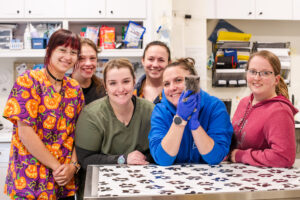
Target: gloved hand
[(186, 104), (194, 123)]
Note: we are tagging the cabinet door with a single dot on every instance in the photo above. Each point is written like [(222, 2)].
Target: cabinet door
[(235, 9), (274, 9), (44, 8), (12, 9), (126, 9), (296, 11), (88, 9)]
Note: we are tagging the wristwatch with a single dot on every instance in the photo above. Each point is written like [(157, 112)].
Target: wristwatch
[(76, 165), (179, 121), (121, 160)]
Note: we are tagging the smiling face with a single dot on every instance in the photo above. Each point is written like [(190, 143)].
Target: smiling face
[(62, 59), (155, 61), (173, 81), (119, 85), (87, 62), (262, 87)]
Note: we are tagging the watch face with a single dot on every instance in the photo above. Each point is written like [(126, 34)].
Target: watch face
[(177, 120), (121, 159)]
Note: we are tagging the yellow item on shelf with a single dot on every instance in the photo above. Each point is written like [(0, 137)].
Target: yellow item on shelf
[(233, 36), (243, 57)]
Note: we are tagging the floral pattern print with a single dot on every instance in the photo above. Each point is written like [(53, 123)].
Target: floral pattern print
[(53, 116)]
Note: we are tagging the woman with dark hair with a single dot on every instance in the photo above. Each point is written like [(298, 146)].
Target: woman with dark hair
[(44, 106), (156, 57), (84, 72), (188, 127), (263, 123)]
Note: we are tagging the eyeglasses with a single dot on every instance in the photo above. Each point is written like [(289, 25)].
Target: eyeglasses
[(64, 51), (262, 74)]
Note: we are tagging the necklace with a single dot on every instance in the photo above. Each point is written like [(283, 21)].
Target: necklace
[(242, 124), (56, 79)]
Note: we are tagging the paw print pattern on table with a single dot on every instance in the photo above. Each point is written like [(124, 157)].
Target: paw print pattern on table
[(153, 180)]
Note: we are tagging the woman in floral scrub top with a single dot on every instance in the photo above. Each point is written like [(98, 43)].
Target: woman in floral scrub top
[(44, 106)]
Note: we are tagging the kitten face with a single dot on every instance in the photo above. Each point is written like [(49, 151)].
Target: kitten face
[(192, 83)]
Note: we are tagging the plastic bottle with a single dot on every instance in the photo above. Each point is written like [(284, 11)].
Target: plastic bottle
[(27, 38), (164, 31)]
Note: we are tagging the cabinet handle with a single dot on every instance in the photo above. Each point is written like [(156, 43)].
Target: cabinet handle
[(260, 13), (17, 13), (29, 11), (250, 13), (112, 12), (99, 11)]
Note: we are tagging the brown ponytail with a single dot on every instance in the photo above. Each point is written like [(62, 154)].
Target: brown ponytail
[(187, 64), (281, 88)]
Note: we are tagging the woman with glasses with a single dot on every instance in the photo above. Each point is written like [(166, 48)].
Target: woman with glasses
[(264, 121), (44, 106), (84, 72)]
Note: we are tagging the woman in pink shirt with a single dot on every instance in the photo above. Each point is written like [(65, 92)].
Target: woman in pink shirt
[(263, 123)]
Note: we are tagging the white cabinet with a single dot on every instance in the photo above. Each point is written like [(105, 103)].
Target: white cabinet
[(235, 9), (31, 9), (74, 15), (254, 9), (3, 170), (12, 9), (128, 9), (274, 9), (296, 10), (44, 9), (90, 9), (4, 152)]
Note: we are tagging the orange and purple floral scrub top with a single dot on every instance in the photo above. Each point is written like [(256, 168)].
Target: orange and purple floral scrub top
[(52, 115)]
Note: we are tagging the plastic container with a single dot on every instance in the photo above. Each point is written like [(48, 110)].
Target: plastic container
[(39, 43), (27, 38)]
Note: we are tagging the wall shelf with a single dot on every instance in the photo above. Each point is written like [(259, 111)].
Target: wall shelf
[(230, 71), (40, 53)]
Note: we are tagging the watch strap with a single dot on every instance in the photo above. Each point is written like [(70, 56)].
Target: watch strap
[(76, 165), (177, 118)]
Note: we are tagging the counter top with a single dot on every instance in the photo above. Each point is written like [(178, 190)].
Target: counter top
[(191, 181)]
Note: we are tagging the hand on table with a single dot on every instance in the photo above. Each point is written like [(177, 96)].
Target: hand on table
[(136, 158), (232, 155)]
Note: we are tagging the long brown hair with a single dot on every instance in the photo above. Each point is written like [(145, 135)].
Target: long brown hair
[(97, 81), (281, 87)]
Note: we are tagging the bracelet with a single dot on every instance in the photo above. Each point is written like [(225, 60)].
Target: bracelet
[(76, 165)]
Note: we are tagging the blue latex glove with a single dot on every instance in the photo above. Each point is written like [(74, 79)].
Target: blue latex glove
[(186, 104), (194, 123)]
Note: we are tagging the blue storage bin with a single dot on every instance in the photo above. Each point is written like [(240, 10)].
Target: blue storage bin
[(38, 43)]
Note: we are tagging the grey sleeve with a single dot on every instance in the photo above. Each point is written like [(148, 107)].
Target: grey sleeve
[(86, 157), (88, 132)]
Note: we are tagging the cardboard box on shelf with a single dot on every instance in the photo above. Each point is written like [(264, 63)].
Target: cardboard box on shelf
[(21, 67)]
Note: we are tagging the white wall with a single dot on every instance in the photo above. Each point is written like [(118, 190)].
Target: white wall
[(195, 32)]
